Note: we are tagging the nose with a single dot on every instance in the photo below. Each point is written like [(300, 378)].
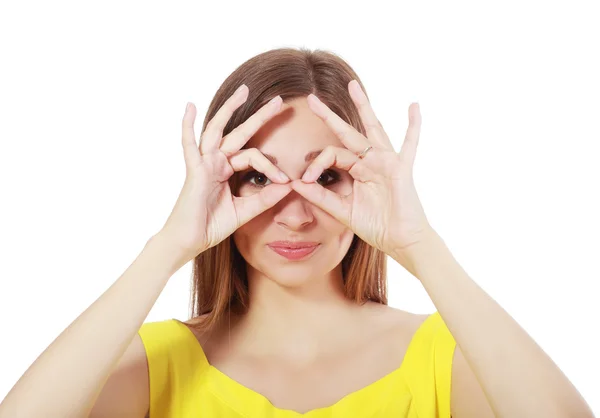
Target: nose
[(293, 212)]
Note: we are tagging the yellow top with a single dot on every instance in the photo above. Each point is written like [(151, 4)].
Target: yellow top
[(184, 385)]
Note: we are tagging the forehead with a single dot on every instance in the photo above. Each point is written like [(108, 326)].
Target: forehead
[(294, 132)]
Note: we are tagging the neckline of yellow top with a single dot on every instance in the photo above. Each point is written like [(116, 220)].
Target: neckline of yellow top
[(243, 398)]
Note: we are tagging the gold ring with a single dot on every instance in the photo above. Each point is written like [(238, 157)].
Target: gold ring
[(364, 152)]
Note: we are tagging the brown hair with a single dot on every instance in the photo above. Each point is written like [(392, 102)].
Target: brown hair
[(219, 281)]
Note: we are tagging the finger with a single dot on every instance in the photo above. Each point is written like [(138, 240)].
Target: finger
[(350, 137), (237, 138), (249, 207), (340, 207), (252, 157), (188, 137), (373, 127), (337, 157), (411, 140), (211, 137)]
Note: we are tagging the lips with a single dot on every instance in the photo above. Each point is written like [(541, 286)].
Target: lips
[(293, 250), (293, 244)]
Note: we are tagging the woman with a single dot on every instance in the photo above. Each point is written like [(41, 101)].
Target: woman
[(289, 208)]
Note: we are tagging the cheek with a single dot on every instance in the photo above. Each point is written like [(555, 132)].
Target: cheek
[(241, 239), (249, 234), (336, 232)]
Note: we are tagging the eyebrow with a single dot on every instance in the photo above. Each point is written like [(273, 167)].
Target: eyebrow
[(307, 158)]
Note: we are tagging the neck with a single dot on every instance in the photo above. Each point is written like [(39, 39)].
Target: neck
[(299, 322)]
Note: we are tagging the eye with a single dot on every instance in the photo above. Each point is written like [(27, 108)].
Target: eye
[(260, 177), (256, 179), (328, 177)]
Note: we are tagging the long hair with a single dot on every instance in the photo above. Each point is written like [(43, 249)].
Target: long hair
[(219, 281)]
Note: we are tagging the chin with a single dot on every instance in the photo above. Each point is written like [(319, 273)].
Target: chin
[(294, 276)]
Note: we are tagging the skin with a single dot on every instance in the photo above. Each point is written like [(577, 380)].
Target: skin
[(299, 318), (296, 313), (301, 292)]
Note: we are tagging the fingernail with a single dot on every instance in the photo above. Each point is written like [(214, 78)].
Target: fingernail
[(275, 99), (274, 105), (187, 107), (315, 98), (240, 88), (357, 89), (283, 177)]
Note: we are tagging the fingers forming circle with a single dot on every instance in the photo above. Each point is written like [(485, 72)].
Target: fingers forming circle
[(252, 157), (338, 157)]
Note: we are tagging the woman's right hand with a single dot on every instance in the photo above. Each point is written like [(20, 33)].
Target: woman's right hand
[(206, 212)]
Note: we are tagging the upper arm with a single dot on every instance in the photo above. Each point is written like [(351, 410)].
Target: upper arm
[(126, 393), (467, 398)]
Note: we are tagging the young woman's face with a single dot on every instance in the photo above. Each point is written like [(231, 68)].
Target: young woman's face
[(289, 138)]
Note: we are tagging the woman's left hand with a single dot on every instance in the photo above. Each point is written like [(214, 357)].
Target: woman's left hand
[(383, 208)]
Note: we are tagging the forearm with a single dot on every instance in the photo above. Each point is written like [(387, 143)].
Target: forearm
[(517, 376), (66, 378)]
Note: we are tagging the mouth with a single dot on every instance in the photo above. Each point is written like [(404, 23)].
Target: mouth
[(294, 251)]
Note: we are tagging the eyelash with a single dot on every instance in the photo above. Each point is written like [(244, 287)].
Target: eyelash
[(335, 177)]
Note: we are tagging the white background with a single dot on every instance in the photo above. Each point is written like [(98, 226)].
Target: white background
[(91, 101)]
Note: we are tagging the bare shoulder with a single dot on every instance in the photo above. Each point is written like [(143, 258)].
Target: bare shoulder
[(211, 339), (409, 317), (394, 325), (395, 316)]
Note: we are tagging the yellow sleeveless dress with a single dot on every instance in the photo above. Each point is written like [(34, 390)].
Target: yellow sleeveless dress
[(184, 385)]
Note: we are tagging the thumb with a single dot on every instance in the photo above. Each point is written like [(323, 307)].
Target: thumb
[(249, 207)]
